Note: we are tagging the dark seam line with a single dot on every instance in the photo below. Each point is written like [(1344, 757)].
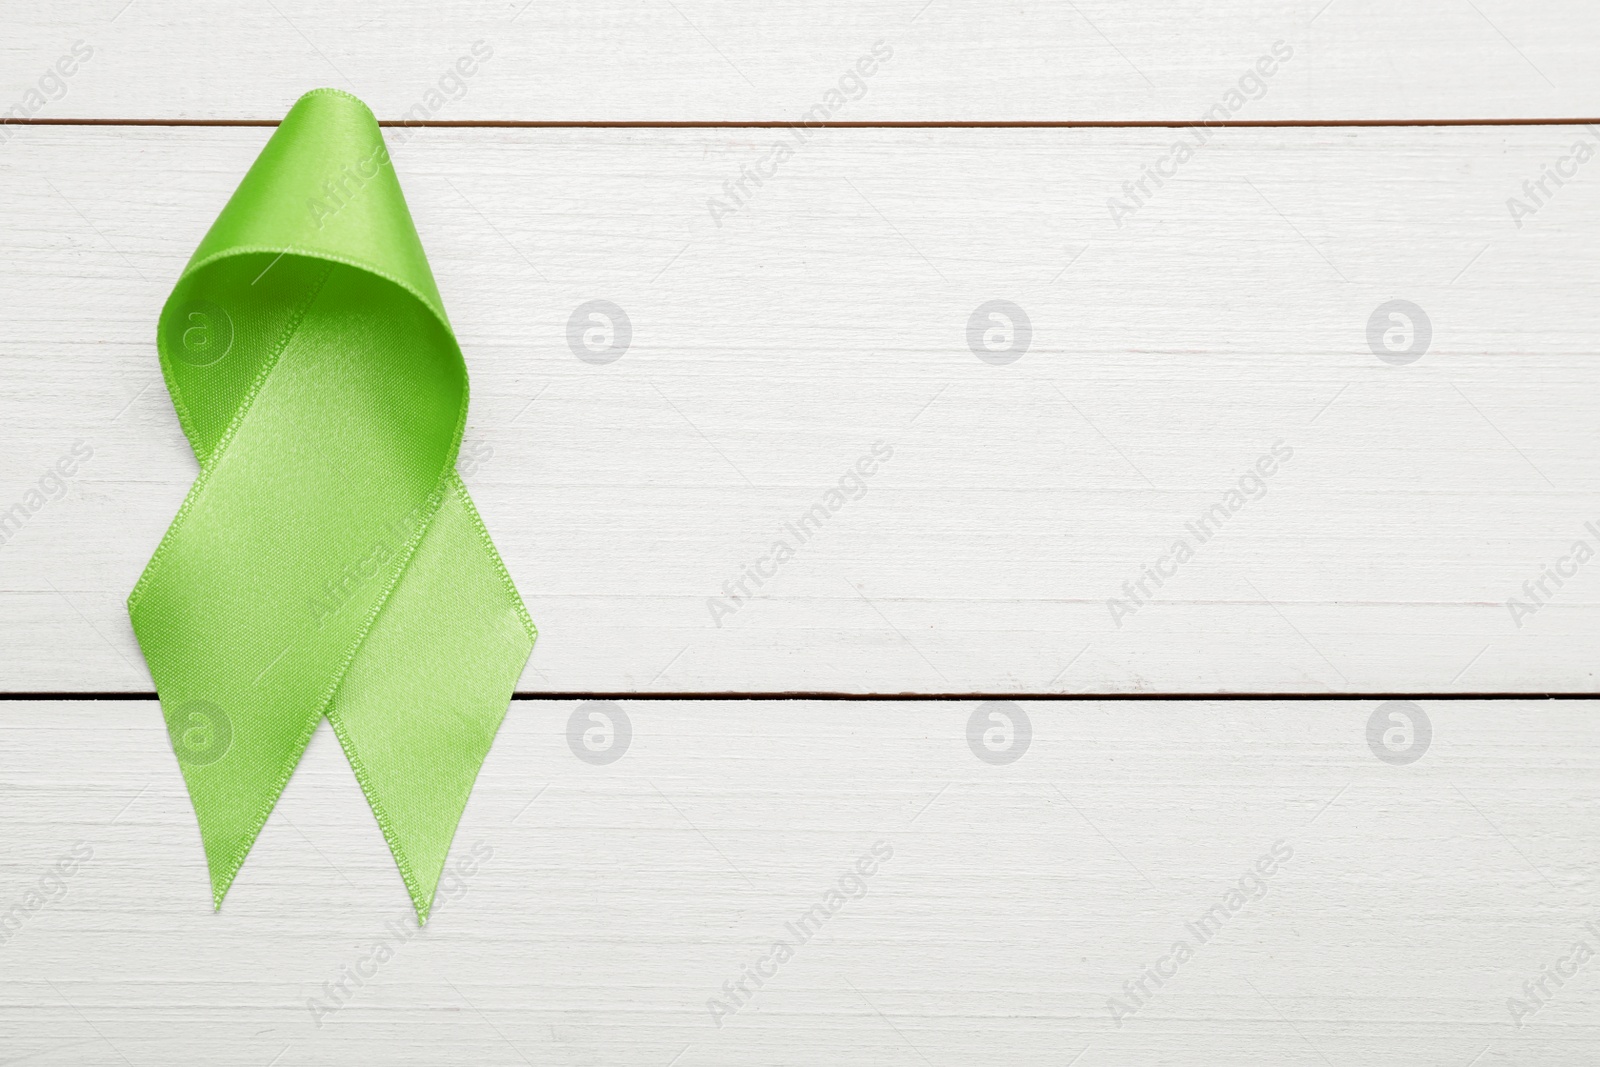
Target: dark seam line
[(1079, 697), (914, 124), (837, 696)]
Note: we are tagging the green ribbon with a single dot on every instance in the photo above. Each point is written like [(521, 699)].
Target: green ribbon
[(327, 560)]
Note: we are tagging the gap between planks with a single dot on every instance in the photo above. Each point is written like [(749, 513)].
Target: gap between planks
[(654, 124), (947, 697)]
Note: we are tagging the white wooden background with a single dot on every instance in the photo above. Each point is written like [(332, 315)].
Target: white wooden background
[(772, 352), (698, 60), (618, 899), (769, 352)]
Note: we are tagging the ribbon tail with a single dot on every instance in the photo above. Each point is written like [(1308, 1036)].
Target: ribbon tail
[(234, 771), (416, 729)]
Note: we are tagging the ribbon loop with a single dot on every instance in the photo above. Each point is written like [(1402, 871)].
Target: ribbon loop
[(327, 560)]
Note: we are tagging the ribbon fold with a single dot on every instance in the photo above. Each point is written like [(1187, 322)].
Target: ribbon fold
[(327, 560)]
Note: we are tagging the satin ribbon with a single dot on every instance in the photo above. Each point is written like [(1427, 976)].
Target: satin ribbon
[(327, 560)]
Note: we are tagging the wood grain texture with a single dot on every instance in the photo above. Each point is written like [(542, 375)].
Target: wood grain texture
[(680, 60), (614, 901), (787, 334), (773, 351)]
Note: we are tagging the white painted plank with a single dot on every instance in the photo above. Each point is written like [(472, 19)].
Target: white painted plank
[(953, 60), (771, 352), (610, 903)]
